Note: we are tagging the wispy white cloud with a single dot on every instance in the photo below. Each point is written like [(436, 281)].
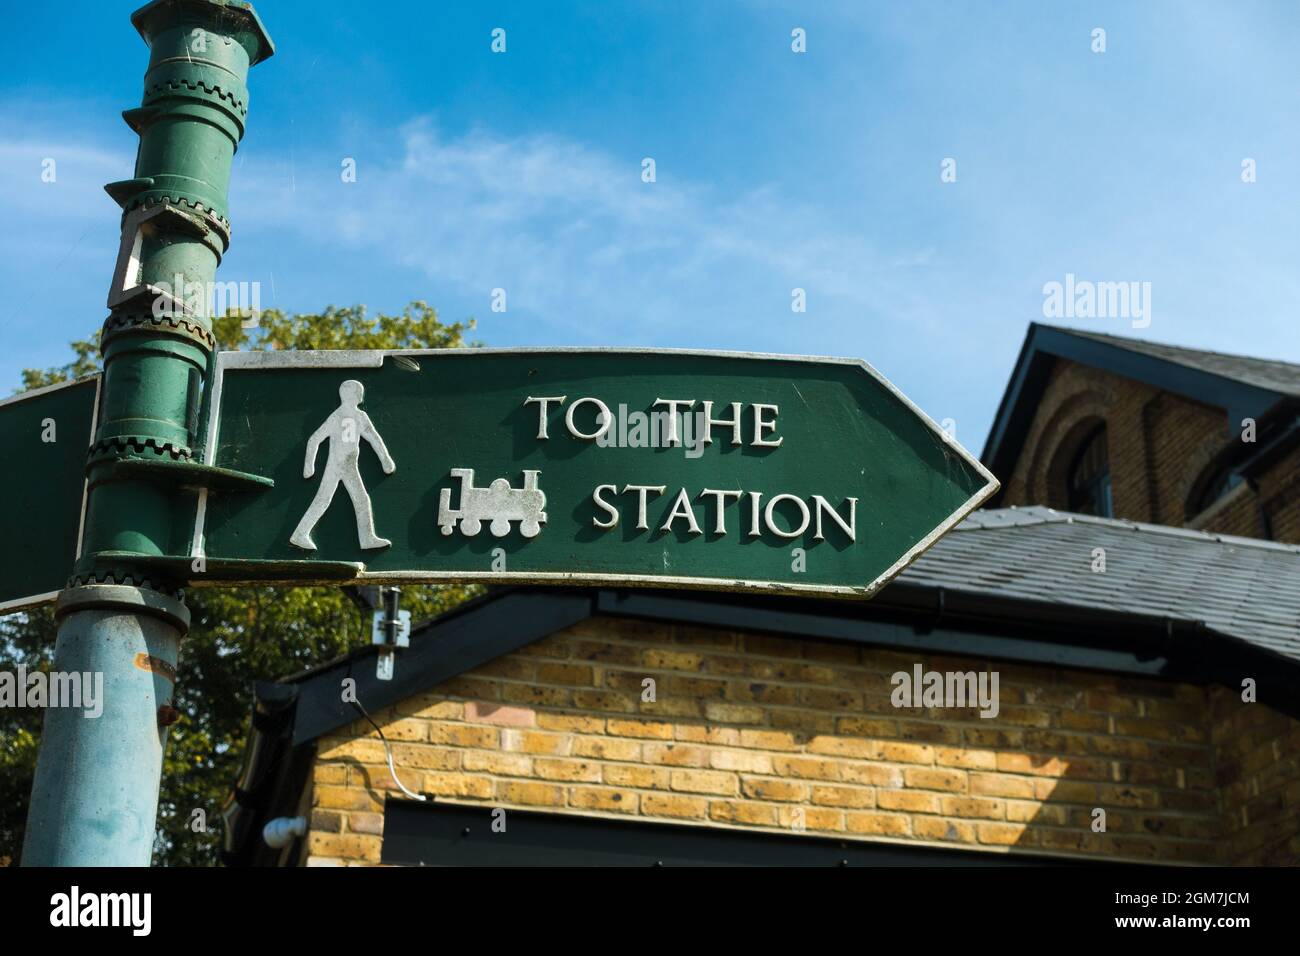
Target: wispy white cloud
[(578, 241), (573, 233)]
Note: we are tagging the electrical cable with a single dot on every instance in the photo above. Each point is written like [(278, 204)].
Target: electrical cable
[(355, 594), (388, 751)]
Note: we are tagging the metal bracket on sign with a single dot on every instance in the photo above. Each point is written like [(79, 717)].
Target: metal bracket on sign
[(390, 629)]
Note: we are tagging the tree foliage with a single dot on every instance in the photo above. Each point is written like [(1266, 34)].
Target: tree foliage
[(238, 635)]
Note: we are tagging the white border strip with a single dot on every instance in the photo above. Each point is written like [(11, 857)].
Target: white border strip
[(46, 389), (34, 600), (85, 487)]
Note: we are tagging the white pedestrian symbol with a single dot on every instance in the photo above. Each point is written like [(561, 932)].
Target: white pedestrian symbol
[(344, 429)]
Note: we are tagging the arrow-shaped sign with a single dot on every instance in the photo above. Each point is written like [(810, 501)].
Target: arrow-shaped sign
[(671, 468), (45, 433)]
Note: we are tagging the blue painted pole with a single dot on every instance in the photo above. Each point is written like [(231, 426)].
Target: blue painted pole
[(95, 798)]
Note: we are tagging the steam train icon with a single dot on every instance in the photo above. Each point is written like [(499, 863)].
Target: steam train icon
[(497, 503)]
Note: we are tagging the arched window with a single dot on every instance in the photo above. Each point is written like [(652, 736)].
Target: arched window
[(1088, 480), (1218, 480)]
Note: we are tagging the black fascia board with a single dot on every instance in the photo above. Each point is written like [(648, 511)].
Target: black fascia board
[(447, 646), (904, 617), (1029, 376), (1045, 343), (922, 619), (908, 617), (938, 621), (957, 624), (449, 834)]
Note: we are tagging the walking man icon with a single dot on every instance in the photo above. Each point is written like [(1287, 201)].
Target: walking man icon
[(346, 427)]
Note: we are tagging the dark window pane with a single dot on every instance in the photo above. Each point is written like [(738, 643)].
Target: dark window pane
[(1223, 480), (1088, 482)]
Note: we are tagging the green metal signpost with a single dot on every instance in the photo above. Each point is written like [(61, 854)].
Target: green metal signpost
[(574, 465), (677, 469), (95, 796)]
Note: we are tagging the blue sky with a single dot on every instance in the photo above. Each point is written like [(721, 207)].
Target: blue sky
[(775, 170)]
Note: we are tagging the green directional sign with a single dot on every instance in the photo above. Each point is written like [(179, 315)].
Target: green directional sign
[(581, 466), (46, 434)]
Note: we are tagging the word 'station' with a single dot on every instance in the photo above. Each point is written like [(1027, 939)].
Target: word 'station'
[(573, 467), (756, 516)]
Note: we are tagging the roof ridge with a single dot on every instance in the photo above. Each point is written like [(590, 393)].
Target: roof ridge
[(1043, 514), (1125, 341)]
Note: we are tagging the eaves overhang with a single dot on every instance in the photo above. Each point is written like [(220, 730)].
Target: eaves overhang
[(1045, 344)]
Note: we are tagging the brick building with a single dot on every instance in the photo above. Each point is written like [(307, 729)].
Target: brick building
[(1146, 651), (1130, 429)]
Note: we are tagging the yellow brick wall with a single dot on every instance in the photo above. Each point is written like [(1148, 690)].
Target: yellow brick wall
[(1160, 446), (1257, 765), (777, 734), (1279, 495)]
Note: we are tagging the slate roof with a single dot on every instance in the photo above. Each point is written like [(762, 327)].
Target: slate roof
[(1242, 588), (1282, 377)]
